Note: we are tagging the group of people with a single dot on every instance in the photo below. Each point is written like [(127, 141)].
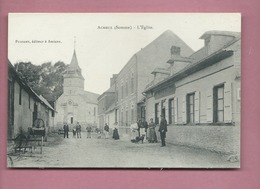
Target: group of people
[(77, 131), (115, 132), (144, 131), (140, 130)]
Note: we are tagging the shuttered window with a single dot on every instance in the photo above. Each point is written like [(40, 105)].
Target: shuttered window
[(156, 113), (222, 103), (176, 110), (218, 104), (171, 111), (210, 105), (197, 107), (191, 108)]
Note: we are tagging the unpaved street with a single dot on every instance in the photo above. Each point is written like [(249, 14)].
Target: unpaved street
[(109, 153)]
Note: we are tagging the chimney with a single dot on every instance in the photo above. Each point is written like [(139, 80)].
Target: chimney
[(175, 51), (113, 80)]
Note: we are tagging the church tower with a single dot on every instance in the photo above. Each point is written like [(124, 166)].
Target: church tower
[(73, 83)]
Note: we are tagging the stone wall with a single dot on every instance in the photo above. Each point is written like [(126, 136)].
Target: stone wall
[(223, 139)]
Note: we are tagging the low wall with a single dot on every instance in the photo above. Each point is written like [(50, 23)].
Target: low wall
[(225, 139)]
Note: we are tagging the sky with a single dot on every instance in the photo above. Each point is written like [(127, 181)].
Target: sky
[(104, 42)]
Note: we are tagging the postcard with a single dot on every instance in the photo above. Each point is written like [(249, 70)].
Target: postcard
[(124, 90)]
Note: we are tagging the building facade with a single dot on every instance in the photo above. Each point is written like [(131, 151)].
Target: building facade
[(133, 78), (25, 106), (75, 104), (106, 106), (200, 98)]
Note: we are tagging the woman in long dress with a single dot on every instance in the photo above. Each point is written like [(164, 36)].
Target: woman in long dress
[(152, 134)]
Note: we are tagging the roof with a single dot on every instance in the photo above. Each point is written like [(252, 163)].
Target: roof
[(222, 33), (112, 89), (111, 108), (74, 61), (218, 55), (167, 37), (73, 69), (90, 97), (45, 102), (179, 58), (199, 54), (161, 70)]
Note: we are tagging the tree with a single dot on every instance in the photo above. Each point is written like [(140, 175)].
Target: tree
[(45, 79)]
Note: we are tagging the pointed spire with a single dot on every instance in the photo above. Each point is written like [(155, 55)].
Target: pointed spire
[(74, 43), (74, 60)]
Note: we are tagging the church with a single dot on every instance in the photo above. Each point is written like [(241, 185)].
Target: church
[(75, 104)]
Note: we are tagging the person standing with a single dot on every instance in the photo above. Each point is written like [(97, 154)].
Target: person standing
[(163, 130), (89, 129), (78, 130), (115, 134), (66, 130), (139, 122), (151, 134), (142, 128), (106, 129)]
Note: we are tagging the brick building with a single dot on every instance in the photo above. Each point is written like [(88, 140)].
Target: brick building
[(200, 94)]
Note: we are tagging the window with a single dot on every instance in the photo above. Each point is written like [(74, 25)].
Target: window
[(132, 83), (132, 115), (190, 108), (126, 117), (126, 88), (29, 100), (122, 118), (142, 112), (156, 113), (122, 91), (52, 113), (171, 111), (20, 96), (116, 115), (218, 104)]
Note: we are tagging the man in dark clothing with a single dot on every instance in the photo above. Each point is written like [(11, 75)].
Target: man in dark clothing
[(163, 130), (106, 128), (78, 130), (66, 130)]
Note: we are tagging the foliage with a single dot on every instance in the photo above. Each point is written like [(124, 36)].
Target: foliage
[(45, 79)]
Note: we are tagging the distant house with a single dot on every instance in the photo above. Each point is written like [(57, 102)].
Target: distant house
[(200, 94), (24, 105), (133, 78), (106, 106), (76, 104)]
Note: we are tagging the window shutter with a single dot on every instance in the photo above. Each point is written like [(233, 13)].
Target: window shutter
[(209, 106), (197, 107), (175, 103), (228, 103), (184, 114)]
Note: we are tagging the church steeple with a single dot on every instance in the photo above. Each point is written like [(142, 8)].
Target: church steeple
[(73, 82), (74, 69)]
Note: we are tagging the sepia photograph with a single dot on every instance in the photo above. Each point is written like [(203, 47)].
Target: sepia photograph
[(124, 90)]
